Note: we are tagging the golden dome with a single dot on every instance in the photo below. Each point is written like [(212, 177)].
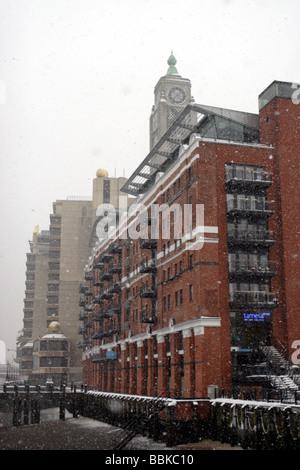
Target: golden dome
[(101, 173), (54, 327)]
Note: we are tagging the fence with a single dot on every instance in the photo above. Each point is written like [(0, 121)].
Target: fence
[(255, 425)]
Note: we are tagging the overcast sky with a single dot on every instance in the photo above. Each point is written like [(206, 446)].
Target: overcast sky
[(76, 91)]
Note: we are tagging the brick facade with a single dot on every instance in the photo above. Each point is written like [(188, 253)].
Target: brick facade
[(161, 316)]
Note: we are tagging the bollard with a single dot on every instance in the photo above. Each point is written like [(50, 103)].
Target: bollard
[(75, 410), (62, 404), (17, 407)]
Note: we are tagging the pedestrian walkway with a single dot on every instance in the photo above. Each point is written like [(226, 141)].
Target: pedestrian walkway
[(79, 434)]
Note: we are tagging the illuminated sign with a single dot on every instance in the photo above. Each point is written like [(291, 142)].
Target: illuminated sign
[(256, 316)]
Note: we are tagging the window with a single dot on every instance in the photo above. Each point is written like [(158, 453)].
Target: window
[(191, 261), (180, 340), (179, 184), (168, 343), (106, 191), (174, 187), (176, 269), (169, 301), (176, 298), (165, 302), (191, 292), (181, 296)]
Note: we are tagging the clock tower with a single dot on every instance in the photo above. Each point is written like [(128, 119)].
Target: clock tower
[(172, 94)]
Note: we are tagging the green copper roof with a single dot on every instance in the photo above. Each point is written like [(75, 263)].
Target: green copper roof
[(172, 70)]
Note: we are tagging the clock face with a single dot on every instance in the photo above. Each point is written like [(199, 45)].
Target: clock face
[(177, 95)]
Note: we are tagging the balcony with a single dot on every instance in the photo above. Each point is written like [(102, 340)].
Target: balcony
[(105, 295), (83, 288), (115, 247), (148, 266), (98, 265), (110, 332), (81, 330), (246, 177), (97, 316), (98, 334), (106, 277), (82, 302), (253, 299), (243, 206), (251, 269), (82, 316), (147, 292), (106, 257), (116, 288), (97, 299), (115, 268), (148, 243), (114, 308), (88, 277), (148, 317), (246, 237)]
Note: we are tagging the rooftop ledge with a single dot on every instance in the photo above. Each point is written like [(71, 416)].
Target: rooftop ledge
[(277, 90)]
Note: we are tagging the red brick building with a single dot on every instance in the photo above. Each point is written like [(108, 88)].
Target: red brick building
[(200, 306)]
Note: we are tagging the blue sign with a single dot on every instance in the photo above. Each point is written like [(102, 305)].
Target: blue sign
[(256, 316), (111, 355)]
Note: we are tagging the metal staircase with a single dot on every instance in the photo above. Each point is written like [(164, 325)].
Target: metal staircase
[(137, 424), (281, 376)]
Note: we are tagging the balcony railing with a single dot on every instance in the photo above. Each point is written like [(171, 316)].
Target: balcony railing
[(114, 268), (106, 257), (81, 330), (83, 288), (148, 292), (105, 333), (98, 265), (114, 308), (114, 288), (250, 206), (97, 299), (252, 299), (248, 177), (249, 237), (249, 268), (82, 316), (106, 277), (148, 316), (148, 243), (148, 266), (115, 247)]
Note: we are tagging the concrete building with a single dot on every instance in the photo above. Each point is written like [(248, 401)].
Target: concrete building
[(35, 301), (206, 303), (54, 276)]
